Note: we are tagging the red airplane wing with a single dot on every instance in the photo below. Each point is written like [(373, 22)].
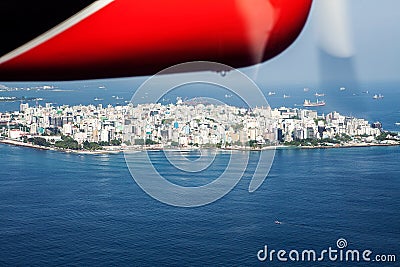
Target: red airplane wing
[(130, 38)]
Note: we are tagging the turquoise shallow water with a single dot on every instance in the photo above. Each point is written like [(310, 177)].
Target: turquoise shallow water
[(69, 209)]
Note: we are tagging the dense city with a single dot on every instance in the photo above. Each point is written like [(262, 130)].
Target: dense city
[(97, 127)]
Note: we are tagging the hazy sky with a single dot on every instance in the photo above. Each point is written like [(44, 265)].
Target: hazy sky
[(375, 32)]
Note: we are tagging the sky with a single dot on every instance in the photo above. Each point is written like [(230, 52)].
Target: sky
[(375, 34)]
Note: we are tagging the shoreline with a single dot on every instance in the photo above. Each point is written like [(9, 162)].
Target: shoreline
[(28, 145), (117, 150), (347, 146)]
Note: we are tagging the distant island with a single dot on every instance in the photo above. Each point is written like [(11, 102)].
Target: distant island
[(98, 129), (4, 88), (15, 98)]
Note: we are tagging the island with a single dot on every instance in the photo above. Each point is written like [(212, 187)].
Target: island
[(109, 129)]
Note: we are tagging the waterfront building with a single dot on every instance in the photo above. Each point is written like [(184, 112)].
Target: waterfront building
[(201, 124)]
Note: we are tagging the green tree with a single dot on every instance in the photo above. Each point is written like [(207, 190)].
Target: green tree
[(40, 141), (252, 143), (116, 142), (104, 143), (67, 142), (91, 146)]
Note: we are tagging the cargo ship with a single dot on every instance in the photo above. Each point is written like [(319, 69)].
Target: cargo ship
[(308, 103)]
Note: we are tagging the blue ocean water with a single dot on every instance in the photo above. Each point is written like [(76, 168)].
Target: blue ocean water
[(69, 209), (59, 209)]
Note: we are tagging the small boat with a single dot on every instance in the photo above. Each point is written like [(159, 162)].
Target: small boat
[(308, 103), (316, 94), (278, 222), (271, 93), (98, 99), (377, 96), (397, 123), (306, 89), (342, 88), (286, 96)]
